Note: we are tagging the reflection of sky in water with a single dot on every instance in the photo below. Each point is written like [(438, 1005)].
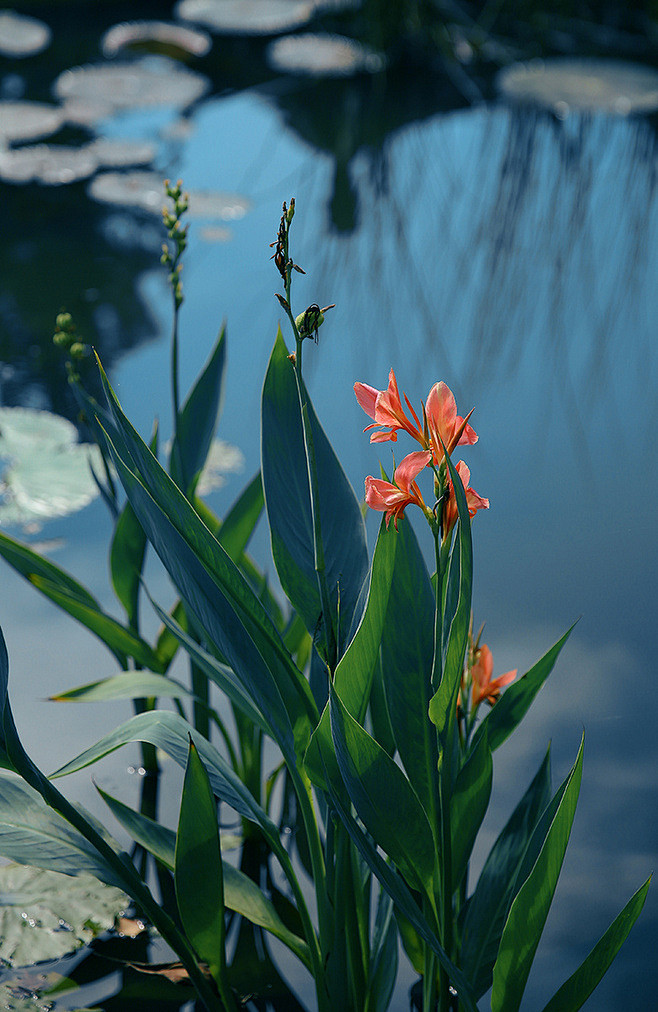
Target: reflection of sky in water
[(513, 257)]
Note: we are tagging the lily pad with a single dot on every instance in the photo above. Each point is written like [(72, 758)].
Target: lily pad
[(247, 17), (53, 164), (585, 85), (153, 81), (45, 915), (27, 121), (21, 35), (111, 152), (144, 190), (323, 56), (44, 471), (155, 36)]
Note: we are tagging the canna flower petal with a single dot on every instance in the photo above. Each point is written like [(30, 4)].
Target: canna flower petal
[(409, 468), (392, 499), (483, 688), (474, 501), (443, 422), (386, 408)]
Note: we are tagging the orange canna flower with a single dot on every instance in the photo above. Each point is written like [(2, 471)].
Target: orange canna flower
[(444, 424), (474, 501), (483, 687), (393, 499), (386, 408)]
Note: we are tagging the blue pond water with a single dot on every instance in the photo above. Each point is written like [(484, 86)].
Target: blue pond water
[(515, 257)]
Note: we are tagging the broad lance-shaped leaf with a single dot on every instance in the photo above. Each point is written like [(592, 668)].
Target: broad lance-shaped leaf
[(200, 897), (529, 910), (406, 653), (468, 806), (383, 798), (353, 676), (197, 420), (576, 990), (287, 495), (489, 904), (515, 702), (215, 613), (216, 591), (241, 893)]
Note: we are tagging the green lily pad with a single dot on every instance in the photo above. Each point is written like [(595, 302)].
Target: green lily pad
[(44, 471), (45, 915)]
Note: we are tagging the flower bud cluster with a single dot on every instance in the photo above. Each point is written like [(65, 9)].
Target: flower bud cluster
[(171, 254), (66, 338)]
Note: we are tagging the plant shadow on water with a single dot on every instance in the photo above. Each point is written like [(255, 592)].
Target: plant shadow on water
[(514, 249)]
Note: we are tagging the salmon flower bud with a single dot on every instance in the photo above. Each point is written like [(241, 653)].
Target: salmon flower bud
[(444, 424), (392, 499), (385, 407), (474, 501), (484, 689)]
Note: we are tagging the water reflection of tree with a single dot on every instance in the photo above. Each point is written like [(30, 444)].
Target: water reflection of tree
[(57, 253), (503, 234)]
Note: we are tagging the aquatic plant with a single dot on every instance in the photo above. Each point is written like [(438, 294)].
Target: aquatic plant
[(368, 680)]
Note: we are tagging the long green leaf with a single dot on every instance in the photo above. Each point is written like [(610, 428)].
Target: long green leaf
[(383, 798), (407, 646), (125, 685), (214, 588), (529, 910), (288, 502), (197, 420), (576, 990), (200, 897), (241, 893), (215, 613), (490, 902)]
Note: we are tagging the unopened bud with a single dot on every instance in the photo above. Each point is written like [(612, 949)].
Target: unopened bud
[(290, 213), (64, 321)]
